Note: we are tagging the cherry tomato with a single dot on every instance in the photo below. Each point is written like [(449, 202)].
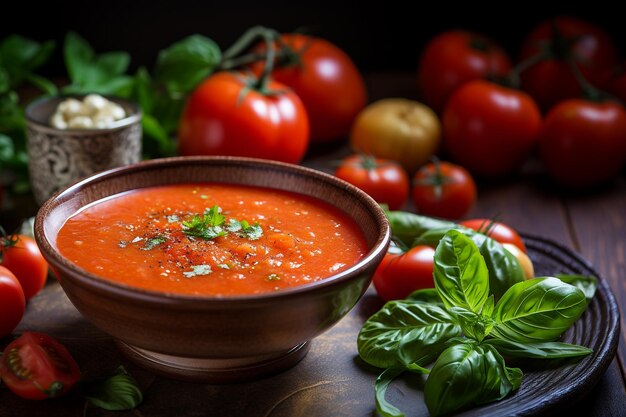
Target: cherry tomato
[(452, 58), (399, 129), (325, 78), (225, 115), (583, 143), (523, 259), (384, 180), (496, 230), (444, 190), (490, 129), (398, 275), (35, 366), (12, 302), (564, 39), (21, 255)]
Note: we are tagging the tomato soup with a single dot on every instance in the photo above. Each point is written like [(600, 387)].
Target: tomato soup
[(211, 239)]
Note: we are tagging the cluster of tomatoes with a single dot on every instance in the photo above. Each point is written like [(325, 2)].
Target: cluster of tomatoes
[(33, 366)]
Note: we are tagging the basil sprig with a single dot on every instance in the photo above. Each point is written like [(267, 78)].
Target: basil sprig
[(117, 392), (461, 327)]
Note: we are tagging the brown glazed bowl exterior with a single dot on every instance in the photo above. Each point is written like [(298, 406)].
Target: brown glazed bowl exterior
[(59, 157), (209, 338)]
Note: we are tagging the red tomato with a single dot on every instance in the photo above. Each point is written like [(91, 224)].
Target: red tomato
[(583, 143), (565, 38), (490, 129), (12, 302), (496, 230), (443, 189), (325, 78), (398, 275), (226, 116), (384, 180), (36, 367), (452, 58), (21, 255)]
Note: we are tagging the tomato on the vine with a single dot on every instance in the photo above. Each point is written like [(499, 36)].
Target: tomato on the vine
[(12, 302), (562, 42), (454, 57), (398, 275), (20, 255), (496, 230), (325, 78), (35, 366), (583, 143), (227, 115), (444, 190), (490, 129), (384, 180)]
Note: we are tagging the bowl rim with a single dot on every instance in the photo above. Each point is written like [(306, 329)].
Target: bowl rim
[(112, 288), (129, 120)]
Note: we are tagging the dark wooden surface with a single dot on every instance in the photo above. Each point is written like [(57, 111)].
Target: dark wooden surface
[(331, 381)]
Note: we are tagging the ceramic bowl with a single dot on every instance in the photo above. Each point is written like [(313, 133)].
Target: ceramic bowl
[(59, 157), (208, 338)]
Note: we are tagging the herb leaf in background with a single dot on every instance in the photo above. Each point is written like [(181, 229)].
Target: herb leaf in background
[(91, 73), (118, 392), (586, 283), (20, 57)]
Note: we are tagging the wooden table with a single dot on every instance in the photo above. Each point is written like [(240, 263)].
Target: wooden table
[(331, 381)]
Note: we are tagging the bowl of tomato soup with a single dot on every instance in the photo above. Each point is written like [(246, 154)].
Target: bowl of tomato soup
[(214, 269)]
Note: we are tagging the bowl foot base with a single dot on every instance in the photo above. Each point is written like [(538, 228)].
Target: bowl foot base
[(212, 370)]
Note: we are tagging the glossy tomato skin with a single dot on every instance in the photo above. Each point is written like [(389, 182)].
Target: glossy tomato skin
[(27, 263), (35, 366), (328, 82), (384, 180), (490, 129), (583, 143), (496, 230), (456, 195), (454, 57), (220, 118), (12, 302), (398, 275), (552, 80)]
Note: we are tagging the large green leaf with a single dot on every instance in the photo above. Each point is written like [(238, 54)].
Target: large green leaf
[(408, 226), (467, 374), (586, 283), (404, 332), (537, 310), (460, 274), (544, 350)]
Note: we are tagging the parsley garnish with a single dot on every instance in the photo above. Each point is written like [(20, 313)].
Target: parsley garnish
[(198, 270), (208, 226), (153, 242), (245, 230)]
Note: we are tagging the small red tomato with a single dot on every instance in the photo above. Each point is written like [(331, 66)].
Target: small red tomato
[(20, 255), (496, 230), (225, 115), (398, 275), (12, 302), (583, 143), (490, 129), (35, 366), (384, 180), (325, 78), (564, 40), (442, 189), (452, 58)]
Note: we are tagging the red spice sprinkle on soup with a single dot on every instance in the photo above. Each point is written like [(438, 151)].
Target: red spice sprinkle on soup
[(212, 239)]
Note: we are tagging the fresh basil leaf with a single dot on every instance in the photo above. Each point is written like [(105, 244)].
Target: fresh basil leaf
[(156, 133), (537, 310), (515, 376), (78, 57), (488, 307), (6, 148), (586, 283), (426, 295), (385, 408), (405, 332), (20, 56), (184, 64), (142, 90), (461, 276), (465, 374), (545, 350), (473, 325), (116, 393), (408, 226)]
